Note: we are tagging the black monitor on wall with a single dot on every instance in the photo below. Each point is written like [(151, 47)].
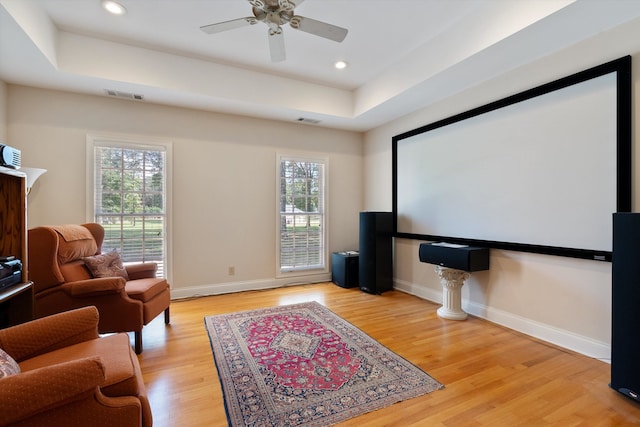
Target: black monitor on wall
[(540, 171)]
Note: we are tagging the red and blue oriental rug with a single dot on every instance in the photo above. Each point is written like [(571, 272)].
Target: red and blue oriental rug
[(302, 364)]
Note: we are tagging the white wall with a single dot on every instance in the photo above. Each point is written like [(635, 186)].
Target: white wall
[(224, 166), (562, 300)]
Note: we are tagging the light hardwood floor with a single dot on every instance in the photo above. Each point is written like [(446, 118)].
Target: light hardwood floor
[(493, 376)]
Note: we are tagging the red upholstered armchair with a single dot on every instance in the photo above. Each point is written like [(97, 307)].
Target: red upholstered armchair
[(57, 371), (59, 257)]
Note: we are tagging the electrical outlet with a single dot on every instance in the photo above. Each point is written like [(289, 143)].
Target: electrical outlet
[(232, 270)]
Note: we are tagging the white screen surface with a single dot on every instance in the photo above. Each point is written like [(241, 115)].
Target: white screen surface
[(540, 172)]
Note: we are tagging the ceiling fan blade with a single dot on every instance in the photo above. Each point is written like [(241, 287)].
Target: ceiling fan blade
[(276, 45), (228, 25), (318, 28)]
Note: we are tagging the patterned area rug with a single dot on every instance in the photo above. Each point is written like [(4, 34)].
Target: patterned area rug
[(301, 364)]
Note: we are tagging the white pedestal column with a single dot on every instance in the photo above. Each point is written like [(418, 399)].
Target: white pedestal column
[(452, 281)]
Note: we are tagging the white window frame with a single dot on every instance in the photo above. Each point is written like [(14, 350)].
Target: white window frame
[(138, 143), (324, 267)]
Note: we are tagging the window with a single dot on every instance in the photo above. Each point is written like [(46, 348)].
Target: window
[(301, 215), (130, 199)]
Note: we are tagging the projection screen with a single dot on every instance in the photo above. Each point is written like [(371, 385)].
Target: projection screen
[(541, 171)]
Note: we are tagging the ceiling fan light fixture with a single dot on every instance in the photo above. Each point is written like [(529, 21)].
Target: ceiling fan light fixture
[(276, 13), (340, 65), (114, 7)]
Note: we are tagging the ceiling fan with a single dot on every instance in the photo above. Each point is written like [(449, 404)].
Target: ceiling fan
[(276, 13)]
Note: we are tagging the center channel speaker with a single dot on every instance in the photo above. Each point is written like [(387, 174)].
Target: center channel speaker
[(376, 252), (625, 310), (459, 257)]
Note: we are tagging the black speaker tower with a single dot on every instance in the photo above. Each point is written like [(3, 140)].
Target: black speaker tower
[(376, 252), (625, 340)]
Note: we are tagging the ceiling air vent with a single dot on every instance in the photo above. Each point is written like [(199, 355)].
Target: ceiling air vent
[(127, 95), (307, 120)]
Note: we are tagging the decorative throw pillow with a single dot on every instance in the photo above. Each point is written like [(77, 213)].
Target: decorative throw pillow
[(8, 366), (106, 265)]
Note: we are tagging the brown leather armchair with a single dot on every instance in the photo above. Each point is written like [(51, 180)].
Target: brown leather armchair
[(63, 282), (68, 375)]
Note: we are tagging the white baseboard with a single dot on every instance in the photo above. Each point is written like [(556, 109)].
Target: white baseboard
[(560, 337), (250, 285)]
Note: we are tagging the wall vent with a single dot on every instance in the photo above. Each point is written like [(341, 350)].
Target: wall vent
[(127, 95), (307, 120)]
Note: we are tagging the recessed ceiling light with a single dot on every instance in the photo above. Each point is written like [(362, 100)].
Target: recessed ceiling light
[(340, 65), (114, 7)]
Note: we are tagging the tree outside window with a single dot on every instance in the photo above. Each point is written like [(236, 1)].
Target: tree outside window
[(130, 200)]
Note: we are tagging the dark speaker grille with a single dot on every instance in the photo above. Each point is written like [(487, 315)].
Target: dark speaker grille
[(625, 338)]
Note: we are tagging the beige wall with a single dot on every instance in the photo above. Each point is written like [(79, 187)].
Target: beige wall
[(224, 202), (563, 300), (224, 193), (3, 113)]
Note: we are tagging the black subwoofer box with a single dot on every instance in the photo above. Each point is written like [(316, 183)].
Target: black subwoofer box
[(344, 269), (625, 310)]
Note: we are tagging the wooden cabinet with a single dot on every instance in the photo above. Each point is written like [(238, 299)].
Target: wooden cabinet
[(16, 301), (16, 304)]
